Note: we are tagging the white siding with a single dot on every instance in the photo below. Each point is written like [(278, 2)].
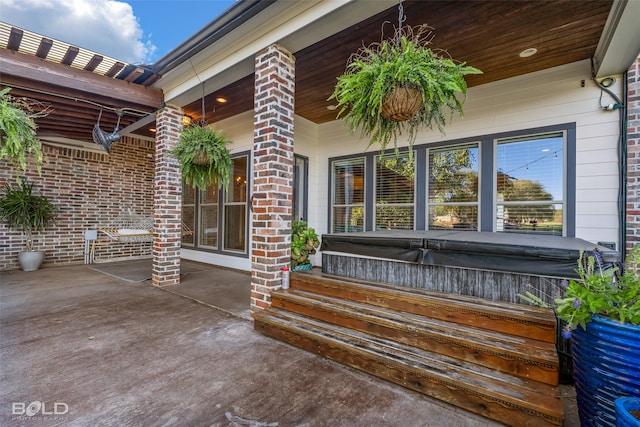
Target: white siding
[(545, 98)]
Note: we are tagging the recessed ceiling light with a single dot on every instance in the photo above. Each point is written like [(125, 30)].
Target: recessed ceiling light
[(528, 52), (221, 100), (331, 107)]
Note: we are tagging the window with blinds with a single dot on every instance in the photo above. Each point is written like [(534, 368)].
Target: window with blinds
[(453, 199), (395, 192), (530, 184), (348, 195)]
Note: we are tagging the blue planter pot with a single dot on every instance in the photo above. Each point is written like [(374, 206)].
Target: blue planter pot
[(606, 366), (624, 406), (303, 267)]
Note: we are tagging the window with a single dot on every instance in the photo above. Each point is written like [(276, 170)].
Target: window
[(395, 193), (348, 195), (453, 188), (516, 182), (529, 185), (208, 219), (219, 216), (188, 213), (235, 207), (300, 187)]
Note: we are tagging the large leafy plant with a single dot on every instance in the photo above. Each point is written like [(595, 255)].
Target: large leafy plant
[(304, 242), (18, 139), (203, 156), (24, 210), (405, 61), (600, 291)]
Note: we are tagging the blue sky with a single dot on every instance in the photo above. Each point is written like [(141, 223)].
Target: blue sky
[(135, 31)]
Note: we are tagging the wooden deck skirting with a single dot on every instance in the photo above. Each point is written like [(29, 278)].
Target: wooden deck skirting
[(492, 358)]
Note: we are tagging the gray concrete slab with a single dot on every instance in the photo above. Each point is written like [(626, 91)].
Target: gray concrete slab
[(123, 353)]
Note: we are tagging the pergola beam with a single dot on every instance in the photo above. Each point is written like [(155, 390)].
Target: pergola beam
[(33, 68)]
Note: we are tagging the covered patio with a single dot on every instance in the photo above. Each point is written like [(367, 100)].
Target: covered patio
[(110, 351)]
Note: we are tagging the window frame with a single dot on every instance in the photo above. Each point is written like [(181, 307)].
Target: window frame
[(487, 207), (221, 203)]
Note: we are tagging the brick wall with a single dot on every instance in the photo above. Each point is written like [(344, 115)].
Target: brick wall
[(633, 151), (88, 190), (272, 172)]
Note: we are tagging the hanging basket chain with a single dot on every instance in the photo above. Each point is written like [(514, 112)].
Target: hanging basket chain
[(401, 20)]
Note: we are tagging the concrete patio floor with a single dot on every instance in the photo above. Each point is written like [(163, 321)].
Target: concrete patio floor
[(90, 349)]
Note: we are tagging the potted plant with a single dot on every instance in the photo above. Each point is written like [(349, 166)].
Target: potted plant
[(18, 138), (601, 309), (203, 156), (27, 212), (399, 85), (304, 242)]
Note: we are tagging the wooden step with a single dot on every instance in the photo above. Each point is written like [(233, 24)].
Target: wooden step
[(512, 319), (524, 357), (505, 398)]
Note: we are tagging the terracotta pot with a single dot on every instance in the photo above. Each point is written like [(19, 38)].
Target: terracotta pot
[(401, 103)]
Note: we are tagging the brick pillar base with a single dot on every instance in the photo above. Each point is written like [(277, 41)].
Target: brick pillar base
[(272, 202), (633, 155), (167, 195)]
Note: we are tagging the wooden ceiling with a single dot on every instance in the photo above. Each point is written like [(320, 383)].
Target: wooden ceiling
[(487, 34)]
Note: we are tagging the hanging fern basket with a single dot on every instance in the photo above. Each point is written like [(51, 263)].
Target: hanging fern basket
[(401, 103), (201, 158)]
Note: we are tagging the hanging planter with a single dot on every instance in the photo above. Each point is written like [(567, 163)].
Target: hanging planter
[(400, 85), (18, 139), (203, 156), (401, 103)]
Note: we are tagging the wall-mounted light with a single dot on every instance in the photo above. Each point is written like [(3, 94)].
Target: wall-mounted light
[(186, 120)]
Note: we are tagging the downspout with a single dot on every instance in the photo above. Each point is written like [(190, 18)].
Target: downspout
[(621, 106)]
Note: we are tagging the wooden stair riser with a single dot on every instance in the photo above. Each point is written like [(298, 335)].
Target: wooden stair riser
[(485, 402), (521, 322), (530, 364)]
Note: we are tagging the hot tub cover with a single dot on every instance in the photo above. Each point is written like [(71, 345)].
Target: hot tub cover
[(524, 253)]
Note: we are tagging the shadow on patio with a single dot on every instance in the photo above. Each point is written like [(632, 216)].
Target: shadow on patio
[(117, 352)]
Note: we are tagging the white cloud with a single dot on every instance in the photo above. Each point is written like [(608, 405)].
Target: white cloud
[(108, 27)]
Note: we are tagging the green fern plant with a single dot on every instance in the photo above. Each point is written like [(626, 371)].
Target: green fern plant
[(25, 211), (18, 139), (405, 61), (197, 141)]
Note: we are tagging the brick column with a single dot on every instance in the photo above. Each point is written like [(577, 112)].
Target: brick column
[(272, 195), (633, 155), (167, 200)]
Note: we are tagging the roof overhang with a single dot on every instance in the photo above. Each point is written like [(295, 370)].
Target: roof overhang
[(619, 45)]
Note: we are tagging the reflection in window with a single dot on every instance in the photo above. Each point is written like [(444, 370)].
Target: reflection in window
[(235, 207), (530, 179), (395, 192), (208, 221), (188, 213), (348, 195), (453, 188)]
